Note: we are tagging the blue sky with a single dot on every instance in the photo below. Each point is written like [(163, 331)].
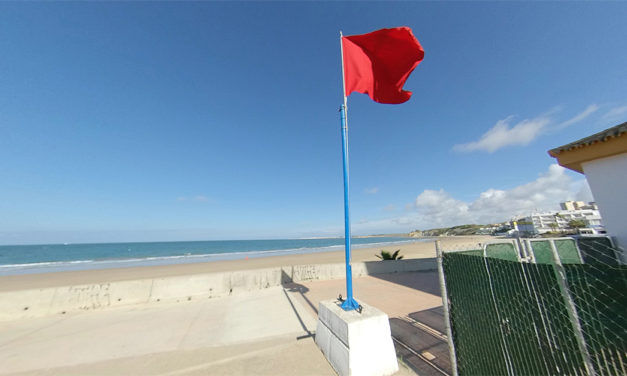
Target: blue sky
[(190, 121)]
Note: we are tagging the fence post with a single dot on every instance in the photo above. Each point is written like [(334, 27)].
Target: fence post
[(560, 275), (447, 317)]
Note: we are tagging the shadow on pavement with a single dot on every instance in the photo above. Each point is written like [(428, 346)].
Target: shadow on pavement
[(426, 281), (296, 287), (421, 343), (433, 318), (302, 290)]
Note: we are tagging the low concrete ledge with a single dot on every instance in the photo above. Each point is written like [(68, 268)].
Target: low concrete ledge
[(60, 300), (336, 271)]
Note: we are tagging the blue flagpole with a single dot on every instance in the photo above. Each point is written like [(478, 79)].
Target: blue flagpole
[(350, 303)]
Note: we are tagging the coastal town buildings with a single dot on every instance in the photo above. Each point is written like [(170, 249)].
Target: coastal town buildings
[(602, 158), (578, 205), (584, 220)]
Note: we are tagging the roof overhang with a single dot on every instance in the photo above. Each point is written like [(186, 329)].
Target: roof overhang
[(610, 142)]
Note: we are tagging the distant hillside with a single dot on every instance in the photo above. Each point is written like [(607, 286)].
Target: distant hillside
[(451, 231), (382, 236)]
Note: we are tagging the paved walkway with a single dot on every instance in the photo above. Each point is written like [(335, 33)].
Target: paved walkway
[(413, 303), (268, 332)]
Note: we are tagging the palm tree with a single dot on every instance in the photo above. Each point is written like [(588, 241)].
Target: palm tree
[(385, 255)]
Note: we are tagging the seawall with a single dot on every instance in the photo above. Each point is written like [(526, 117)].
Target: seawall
[(60, 300)]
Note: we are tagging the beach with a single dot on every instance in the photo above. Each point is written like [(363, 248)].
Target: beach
[(421, 248), (255, 328)]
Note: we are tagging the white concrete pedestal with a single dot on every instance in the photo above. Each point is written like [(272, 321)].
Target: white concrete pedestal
[(356, 344)]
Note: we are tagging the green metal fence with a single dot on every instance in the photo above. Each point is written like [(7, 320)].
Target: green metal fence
[(536, 308)]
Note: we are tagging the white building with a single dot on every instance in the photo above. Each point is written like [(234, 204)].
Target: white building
[(540, 223), (578, 205), (602, 158)]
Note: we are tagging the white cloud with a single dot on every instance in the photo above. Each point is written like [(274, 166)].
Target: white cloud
[(372, 190), (502, 134), (584, 193), (616, 114), (440, 207), (543, 193), (437, 208), (580, 116)]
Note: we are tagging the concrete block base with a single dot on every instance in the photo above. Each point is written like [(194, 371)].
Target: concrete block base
[(356, 344)]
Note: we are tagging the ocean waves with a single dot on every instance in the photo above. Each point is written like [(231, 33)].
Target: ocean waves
[(67, 257)]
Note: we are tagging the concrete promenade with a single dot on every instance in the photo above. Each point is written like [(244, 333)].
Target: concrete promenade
[(262, 332)]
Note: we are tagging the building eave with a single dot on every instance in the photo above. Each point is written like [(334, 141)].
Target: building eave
[(604, 144)]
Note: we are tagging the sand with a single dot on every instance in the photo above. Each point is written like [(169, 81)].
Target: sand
[(423, 248), (264, 332)]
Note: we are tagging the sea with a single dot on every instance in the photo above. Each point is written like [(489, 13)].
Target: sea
[(29, 259)]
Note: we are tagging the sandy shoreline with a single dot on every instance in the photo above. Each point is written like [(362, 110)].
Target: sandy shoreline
[(166, 319), (419, 249)]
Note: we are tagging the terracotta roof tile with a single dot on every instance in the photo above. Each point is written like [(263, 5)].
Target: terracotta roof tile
[(597, 137)]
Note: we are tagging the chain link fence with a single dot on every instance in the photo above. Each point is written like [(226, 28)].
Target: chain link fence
[(536, 307)]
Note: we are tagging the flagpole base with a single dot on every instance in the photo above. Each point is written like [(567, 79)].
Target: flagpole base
[(350, 305), (354, 343)]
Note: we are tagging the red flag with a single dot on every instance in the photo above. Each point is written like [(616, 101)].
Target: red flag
[(379, 63)]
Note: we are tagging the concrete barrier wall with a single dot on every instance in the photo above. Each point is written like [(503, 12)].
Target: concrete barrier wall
[(61, 300)]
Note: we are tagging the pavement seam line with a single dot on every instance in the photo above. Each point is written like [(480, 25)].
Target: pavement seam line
[(225, 360), (425, 328)]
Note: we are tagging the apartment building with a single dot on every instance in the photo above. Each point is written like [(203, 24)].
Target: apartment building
[(578, 205), (551, 221)]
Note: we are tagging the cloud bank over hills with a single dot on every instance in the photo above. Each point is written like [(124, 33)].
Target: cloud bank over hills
[(438, 208)]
